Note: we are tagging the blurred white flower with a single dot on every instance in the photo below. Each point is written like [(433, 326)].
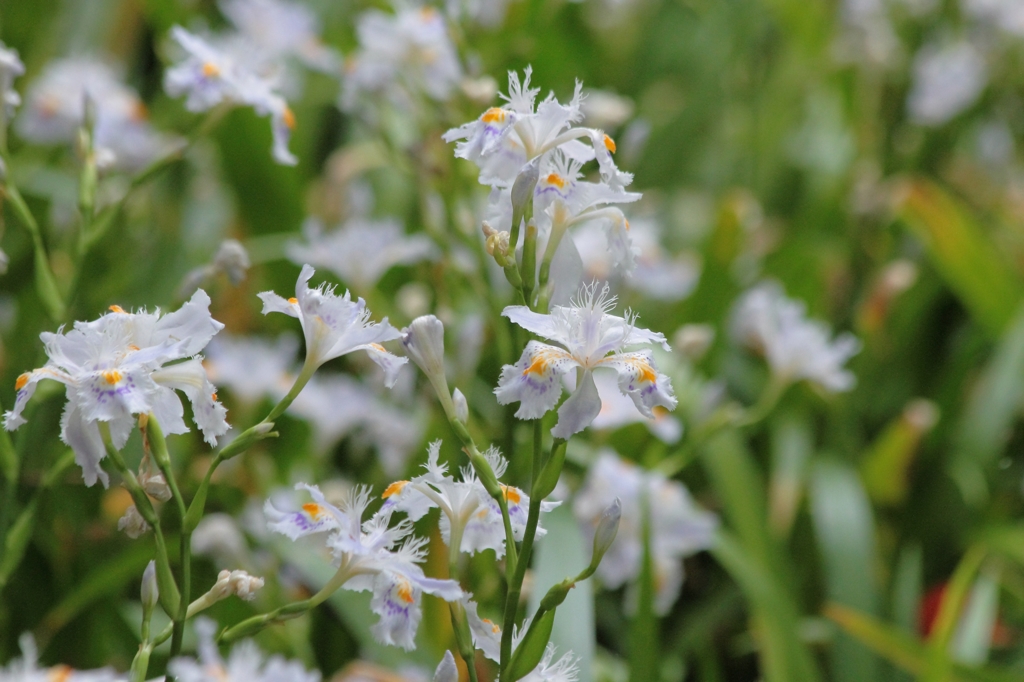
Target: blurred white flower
[(947, 80), (867, 32), (1007, 15), (219, 536), (210, 74), (657, 274), (251, 367), (401, 57), (282, 29), (370, 557), (592, 339), (26, 668), (605, 109), (678, 527), (245, 663), (795, 348), (10, 68), (336, 325), (336, 406), (116, 367), (361, 251), (55, 110)]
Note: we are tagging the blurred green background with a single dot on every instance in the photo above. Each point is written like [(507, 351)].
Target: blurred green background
[(772, 138)]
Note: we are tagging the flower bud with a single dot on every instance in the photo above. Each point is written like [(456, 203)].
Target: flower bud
[(132, 523), (150, 591), (604, 535), (233, 260), (522, 191), (423, 340), (446, 669), (461, 406)]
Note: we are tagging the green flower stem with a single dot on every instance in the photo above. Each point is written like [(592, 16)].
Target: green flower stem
[(300, 382), (529, 267), (169, 593), (515, 587), (463, 638), (46, 284), (251, 626), (155, 438), (140, 664)]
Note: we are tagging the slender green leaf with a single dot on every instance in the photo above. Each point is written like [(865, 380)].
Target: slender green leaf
[(561, 553), (776, 623), (968, 260), (991, 410), (792, 445), (644, 644), (846, 538), (973, 637)]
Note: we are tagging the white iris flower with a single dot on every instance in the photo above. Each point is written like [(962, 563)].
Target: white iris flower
[(469, 515), (795, 347), (370, 556), (336, 325), (118, 366), (591, 339)]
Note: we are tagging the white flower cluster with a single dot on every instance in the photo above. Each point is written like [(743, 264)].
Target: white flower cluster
[(470, 516), (503, 140), (125, 364), (361, 250), (796, 348), (26, 668), (249, 65), (55, 109), (245, 663), (678, 527), (370, 556), (402, 57)]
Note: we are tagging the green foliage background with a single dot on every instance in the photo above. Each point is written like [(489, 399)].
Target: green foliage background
[(766, 154)]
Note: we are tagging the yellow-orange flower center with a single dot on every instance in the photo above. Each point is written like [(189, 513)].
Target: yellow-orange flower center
[(116, 309), (556, 180), (293, 300), (511, 494), (494, 115), (20, 382), (289, 118), (314, 510), (405, 592), (59, 673), (394, 489), (609, 144), (211, 70), (111, 376)]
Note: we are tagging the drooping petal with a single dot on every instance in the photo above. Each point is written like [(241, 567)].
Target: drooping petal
[(397, 601), (25, 388), (190, 378), (486, 634), (84, 439), (272, 303), (640, 380), (535, 381), (579, 410), (390, 363), (314, 517)]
